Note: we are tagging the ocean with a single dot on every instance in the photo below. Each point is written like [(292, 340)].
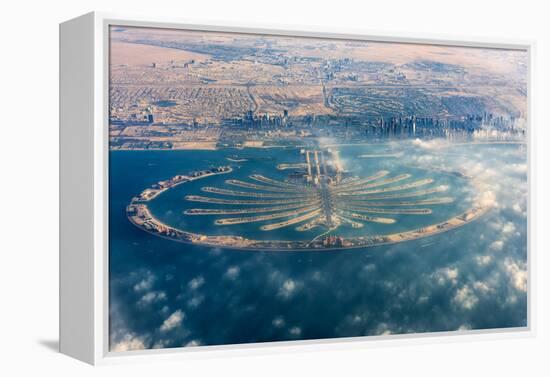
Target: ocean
[(165, 294)]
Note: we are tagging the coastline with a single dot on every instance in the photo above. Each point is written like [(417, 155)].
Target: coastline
[(450, 144)]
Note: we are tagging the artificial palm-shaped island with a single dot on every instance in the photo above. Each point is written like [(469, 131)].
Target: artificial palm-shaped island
[(318, 194)]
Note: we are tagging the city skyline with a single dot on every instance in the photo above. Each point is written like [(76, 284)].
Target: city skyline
[(206, 90)]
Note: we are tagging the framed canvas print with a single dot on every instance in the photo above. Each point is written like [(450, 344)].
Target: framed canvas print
[(231, 189)]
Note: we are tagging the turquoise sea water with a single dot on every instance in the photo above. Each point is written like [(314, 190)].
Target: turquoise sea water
[(169, 294)]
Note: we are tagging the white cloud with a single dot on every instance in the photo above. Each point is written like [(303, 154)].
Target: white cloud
[(487, 199), (447, 274), (173, 321), (129, 342), (194, 302), (369, 267), (389, 285), (517, 208), (497, 245), (356, 319), (145, 284), (508, 228), (424, 159), (278, 322), (288, 288), (383, 329), (159, 344), (317, 276), (483, 260), (430, 144), (517, 168), (232, 273), (465, 297), (296, 331), (517, 274), (151, 297), (196, 283), (474, 168), (422, 300), (482, 287), (193, 343), (452, 274)]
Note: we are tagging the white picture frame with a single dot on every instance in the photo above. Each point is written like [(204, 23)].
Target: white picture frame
[(84, 191)]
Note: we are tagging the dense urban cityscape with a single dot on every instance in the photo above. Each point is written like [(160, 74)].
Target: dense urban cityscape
[(196, 93)]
